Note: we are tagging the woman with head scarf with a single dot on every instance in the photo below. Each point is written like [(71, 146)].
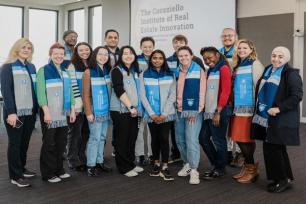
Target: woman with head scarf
[(276, 120)]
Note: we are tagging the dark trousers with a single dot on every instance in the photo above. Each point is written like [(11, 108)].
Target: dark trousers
[(175, 152), (277, 162), (160, 140), (78, 134), (213, 141), (18, 143), (125, 134), (51, 155)]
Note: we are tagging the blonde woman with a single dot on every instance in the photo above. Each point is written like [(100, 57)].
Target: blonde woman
[(18, 78), (246, 73)]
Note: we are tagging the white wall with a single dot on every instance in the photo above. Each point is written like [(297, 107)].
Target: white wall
[(250, 8)]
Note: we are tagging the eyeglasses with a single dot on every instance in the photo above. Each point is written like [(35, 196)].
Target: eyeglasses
[(227, 36)]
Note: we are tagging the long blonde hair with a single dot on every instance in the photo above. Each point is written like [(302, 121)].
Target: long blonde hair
[(13, 54), (253, 55)]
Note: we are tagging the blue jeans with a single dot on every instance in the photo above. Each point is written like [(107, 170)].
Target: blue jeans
[(187, 139), (96, 142), (213, 141)]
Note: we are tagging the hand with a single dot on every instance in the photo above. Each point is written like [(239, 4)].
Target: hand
[(47, 118), (90, 118), (77, 113), (216, 119), (11, 119), (133, 112), (155, 118), (72, 117), (162, 118), (191, 120), (273, 111)]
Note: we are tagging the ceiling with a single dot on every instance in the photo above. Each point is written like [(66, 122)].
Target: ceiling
[(48, 2)]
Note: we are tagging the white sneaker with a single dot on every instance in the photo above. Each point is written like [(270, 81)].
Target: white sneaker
[(138, 169), (131, 173), (185, 171), (64, 176), (194, 177), (54, 179)]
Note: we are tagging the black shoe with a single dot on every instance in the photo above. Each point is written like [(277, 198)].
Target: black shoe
[(21, 182), (92, 172), (28, 174), (213, 174), (141, 161), (279, 186), (155, 171), (104, 167), (165, 174)]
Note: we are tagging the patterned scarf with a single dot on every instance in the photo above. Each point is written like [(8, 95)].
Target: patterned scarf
[(157, 87), (212, 90), (243, 88), (58, 89), (143, 63), (266, 95), (228, 54), (191, 91), (173, 64), (100, 85), (24, 77)]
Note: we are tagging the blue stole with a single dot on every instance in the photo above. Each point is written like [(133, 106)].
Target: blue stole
[(136, 79), (152, 80), (52, 76), (29, 68), (68, 53), (191, 91), (243, 88), (173, 64), (99, 93), (143, 62), (266, 95), (229, 53)]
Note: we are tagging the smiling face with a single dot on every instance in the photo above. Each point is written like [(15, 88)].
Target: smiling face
[(211, 58), (147, 48), (128, 57), (71, 39), (244, 50), (102, 56), (157, 60), (112, 39), (177, 44), (228, 38), (57, 56), (25, 52), (277, 59), (185, 58), (84, 52)]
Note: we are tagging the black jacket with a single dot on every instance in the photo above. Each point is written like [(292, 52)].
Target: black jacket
[(284, 127)]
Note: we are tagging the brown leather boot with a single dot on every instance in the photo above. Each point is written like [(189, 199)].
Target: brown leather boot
[(241, 173), (251, 174)]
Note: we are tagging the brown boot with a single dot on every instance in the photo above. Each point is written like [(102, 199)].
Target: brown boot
[(251, 174), (241, 173)]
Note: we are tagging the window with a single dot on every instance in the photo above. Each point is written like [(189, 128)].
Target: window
[(95, 26), (77, 23), (10, 31), (43, 33)]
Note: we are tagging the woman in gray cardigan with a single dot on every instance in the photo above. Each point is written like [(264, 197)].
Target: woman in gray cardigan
[(158, 96)]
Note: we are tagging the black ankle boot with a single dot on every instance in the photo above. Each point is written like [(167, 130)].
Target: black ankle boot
[(92, 171)]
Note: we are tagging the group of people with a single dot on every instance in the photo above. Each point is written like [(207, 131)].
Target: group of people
[(222, 107)]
